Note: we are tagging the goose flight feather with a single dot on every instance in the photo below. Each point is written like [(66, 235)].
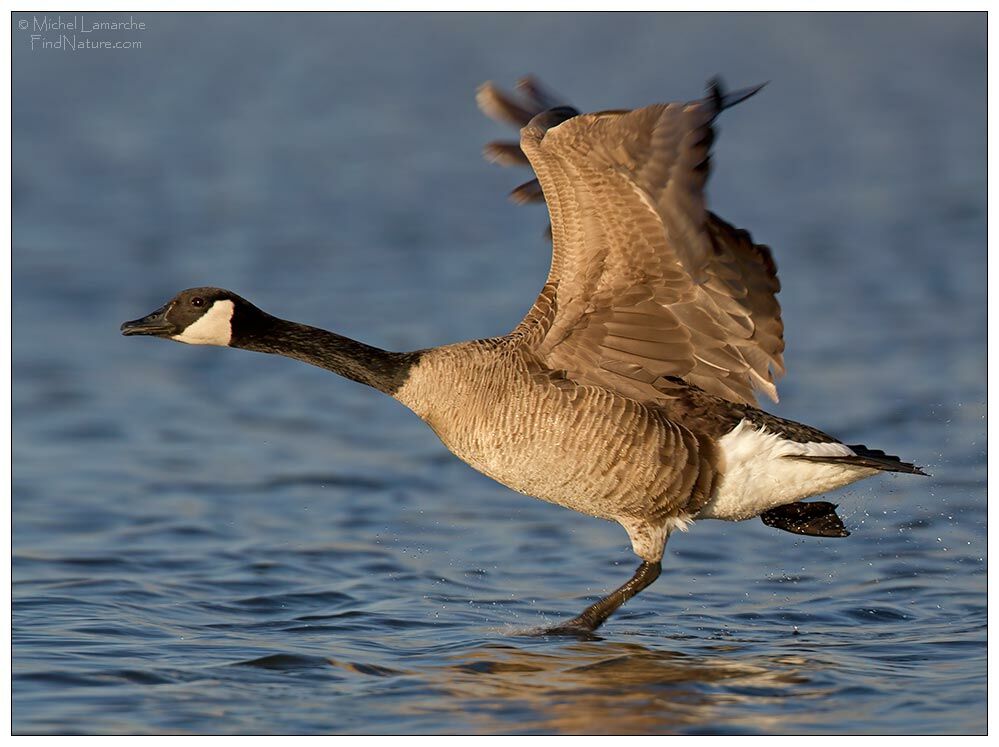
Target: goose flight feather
[(645, 282)]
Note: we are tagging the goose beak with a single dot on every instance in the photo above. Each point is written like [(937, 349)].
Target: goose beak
[(155, 324)]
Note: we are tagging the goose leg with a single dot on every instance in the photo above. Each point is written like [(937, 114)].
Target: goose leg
[(594, 616)]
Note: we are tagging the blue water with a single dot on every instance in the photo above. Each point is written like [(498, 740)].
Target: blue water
[(217, 541)]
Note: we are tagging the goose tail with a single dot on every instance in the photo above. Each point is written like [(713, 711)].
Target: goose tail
[(869, 458)]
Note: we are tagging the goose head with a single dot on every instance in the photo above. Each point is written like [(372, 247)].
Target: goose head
[(199, 316)]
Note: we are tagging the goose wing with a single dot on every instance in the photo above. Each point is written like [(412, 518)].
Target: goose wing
[(645, 282)]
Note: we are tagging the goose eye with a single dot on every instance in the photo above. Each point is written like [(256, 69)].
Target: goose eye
[(197, 301)]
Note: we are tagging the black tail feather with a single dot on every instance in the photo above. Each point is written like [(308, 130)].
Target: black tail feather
[(870, 458)]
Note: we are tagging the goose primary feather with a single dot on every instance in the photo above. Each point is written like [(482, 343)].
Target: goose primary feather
[(628, 392)]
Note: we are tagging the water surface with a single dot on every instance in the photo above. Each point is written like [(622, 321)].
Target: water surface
[(217, 541)]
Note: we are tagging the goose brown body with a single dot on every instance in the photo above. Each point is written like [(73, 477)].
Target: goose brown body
[(499, 408)]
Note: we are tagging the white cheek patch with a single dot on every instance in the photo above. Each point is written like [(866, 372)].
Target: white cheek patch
[(213, 328)]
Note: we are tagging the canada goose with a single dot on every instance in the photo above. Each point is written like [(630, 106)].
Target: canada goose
[(627, 392)]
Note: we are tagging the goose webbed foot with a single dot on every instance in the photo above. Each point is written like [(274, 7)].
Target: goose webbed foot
[(815, 519), (584, 624)]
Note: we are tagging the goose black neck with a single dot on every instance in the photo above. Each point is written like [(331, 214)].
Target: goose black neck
[(384, 370)]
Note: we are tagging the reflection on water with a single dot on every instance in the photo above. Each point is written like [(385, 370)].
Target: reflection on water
[(606, 687), (216, 541)]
